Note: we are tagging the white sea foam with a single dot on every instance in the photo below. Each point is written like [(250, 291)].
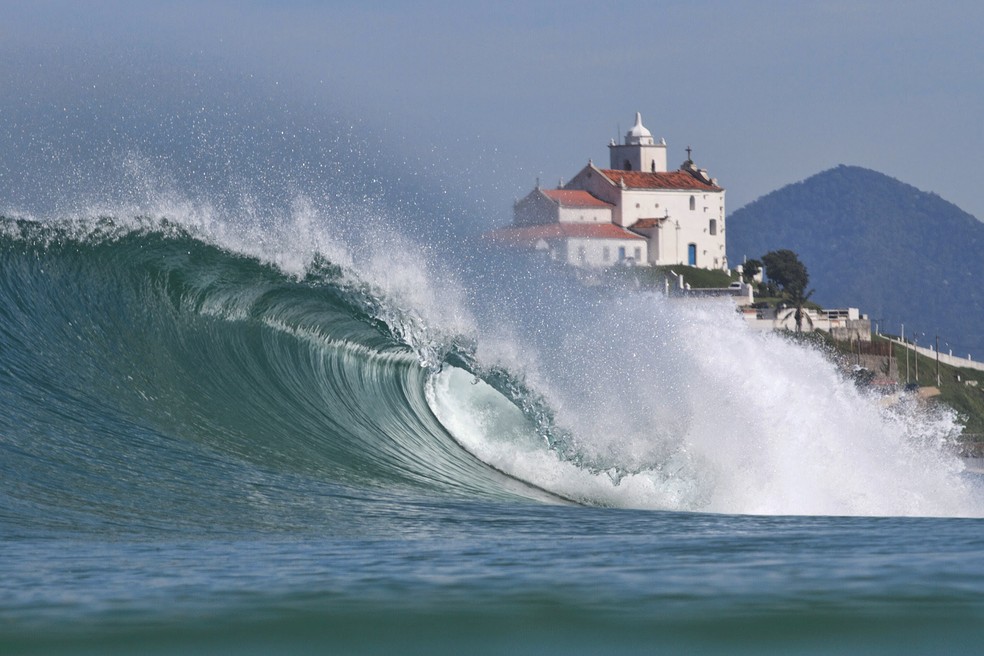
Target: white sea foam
[(677, 405)]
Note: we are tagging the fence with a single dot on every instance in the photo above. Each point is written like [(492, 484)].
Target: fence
[(945, 358)]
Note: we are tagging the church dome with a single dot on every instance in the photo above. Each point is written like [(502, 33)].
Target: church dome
[(638, 134), (639, 130)]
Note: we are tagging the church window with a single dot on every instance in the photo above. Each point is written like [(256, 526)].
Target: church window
[(638, 254), (606, 253), (692, 254), (713, 227), (654, 166), (627, 166), (621, 253), (693, 203)]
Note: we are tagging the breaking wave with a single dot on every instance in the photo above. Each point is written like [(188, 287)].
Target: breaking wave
[(156, 373)]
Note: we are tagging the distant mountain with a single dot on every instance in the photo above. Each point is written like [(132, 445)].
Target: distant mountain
[(870, 241)]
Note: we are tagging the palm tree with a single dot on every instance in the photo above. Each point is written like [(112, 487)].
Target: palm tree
[(783, 267)]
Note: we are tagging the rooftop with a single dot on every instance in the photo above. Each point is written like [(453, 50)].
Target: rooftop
[(664, 180), (575, 198), (645, 224)]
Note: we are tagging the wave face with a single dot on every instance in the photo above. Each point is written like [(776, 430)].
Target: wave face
[(149, 376), (157, 377)]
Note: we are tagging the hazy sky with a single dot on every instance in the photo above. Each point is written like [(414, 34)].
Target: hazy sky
[(766, 93)]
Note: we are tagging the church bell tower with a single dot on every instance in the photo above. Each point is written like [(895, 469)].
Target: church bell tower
[(640, 152)]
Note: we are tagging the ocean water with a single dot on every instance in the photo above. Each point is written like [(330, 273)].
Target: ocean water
[(222, 439)]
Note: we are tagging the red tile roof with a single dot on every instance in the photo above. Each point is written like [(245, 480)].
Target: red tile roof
[(575, 198), (666, 180), (645, 224), (529, 235)]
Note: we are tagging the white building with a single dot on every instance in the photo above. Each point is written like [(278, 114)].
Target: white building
[(573, 227), (846, 324), (663, 217)]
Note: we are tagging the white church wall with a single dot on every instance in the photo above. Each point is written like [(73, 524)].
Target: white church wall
[(591, 180), (601, 253), (696, 228), (644, 204), (684, 226), (585, 215)]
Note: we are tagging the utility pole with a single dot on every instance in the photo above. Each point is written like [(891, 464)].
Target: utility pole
[(906, 345), (891, 348)]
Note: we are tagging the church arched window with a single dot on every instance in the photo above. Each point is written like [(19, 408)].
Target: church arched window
[(693, 203), (628, 165)]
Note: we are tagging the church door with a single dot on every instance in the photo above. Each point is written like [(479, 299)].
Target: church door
[(692, 255)]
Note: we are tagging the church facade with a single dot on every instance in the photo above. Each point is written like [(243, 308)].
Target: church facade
[(634, 212)]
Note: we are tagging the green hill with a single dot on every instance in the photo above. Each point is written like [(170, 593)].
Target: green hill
[(870, 241)]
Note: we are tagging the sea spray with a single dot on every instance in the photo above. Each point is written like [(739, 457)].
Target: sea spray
[(676, 404)]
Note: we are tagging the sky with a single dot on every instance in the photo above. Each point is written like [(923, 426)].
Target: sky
[(488, 97)]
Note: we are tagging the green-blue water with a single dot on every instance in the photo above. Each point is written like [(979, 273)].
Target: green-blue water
[(439, 577), (200, 453)]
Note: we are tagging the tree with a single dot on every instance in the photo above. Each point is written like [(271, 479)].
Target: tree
[(783, 267)]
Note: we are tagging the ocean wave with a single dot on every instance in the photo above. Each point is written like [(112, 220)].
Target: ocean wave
[(142, 366), (153, 375)]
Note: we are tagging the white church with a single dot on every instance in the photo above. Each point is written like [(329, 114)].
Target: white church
[(634, 212)]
